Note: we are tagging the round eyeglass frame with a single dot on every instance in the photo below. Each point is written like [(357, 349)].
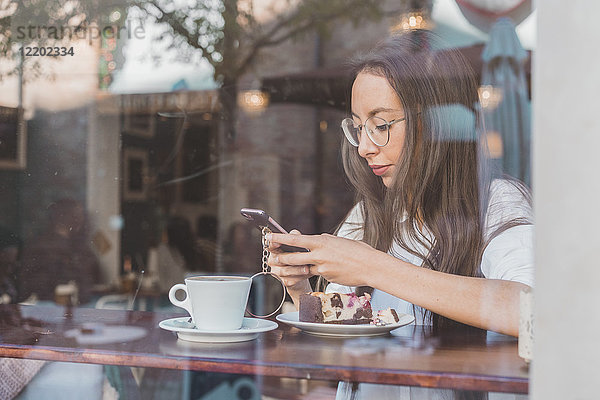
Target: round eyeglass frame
[(351, 139)]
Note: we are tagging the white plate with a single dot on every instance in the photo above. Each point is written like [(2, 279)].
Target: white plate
[(250, 329), (343, 330)]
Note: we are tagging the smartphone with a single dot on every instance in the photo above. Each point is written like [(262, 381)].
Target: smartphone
[(262, 219)]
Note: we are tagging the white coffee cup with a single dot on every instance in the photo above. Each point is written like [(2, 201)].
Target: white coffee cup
[(215, 303)]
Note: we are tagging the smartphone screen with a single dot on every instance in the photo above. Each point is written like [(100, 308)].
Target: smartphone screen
[(262, 219)]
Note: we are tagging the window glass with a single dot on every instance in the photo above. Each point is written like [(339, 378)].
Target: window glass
[(131, 136)]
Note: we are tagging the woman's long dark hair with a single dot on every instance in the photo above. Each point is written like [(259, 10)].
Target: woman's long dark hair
[(441, 184)]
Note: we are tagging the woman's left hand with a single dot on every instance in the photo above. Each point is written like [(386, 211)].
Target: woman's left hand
[(340, 260)]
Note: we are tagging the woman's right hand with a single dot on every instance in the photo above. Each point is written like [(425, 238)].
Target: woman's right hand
[(294, 277)]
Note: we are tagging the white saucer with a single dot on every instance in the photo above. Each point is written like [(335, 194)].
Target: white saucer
[(185, 330), (343, 330)]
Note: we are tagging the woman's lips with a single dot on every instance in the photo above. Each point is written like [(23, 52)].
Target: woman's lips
[(379, 169)]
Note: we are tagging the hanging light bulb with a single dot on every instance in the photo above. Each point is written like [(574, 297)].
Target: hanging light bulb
[(489, 96), (413, 20), (253, 100)]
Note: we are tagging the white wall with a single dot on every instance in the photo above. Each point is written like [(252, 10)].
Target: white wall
[(567, 198)]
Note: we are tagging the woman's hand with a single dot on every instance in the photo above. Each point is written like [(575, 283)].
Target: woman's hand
[(490, 304), (340, 260), (295, 278)]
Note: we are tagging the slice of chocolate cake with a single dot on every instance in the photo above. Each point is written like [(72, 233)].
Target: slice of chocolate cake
[(335, 308)]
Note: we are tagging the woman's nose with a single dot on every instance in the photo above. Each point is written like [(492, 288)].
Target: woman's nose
[(366, 147)]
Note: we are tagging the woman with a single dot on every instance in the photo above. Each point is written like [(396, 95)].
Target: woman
[(432, 232)]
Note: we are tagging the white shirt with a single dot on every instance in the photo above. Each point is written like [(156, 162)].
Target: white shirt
[(509, 256)]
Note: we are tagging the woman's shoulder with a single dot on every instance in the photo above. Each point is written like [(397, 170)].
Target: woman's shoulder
[(509, 191), (353, 223), (508, 200), (355, 215)]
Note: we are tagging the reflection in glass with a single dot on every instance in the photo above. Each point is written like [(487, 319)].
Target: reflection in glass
[(142, 144)]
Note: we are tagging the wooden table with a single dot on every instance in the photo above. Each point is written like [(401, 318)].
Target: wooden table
[(411, 356)]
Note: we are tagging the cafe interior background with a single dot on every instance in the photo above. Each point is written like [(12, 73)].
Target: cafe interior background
[(133, 128), (143, 128)]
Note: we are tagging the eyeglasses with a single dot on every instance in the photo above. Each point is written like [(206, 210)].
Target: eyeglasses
[(378, 130)]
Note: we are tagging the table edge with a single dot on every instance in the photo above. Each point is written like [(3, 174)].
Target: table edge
[(430, 379)]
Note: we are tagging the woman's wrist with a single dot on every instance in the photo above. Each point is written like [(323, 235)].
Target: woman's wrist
[(377, 271)]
